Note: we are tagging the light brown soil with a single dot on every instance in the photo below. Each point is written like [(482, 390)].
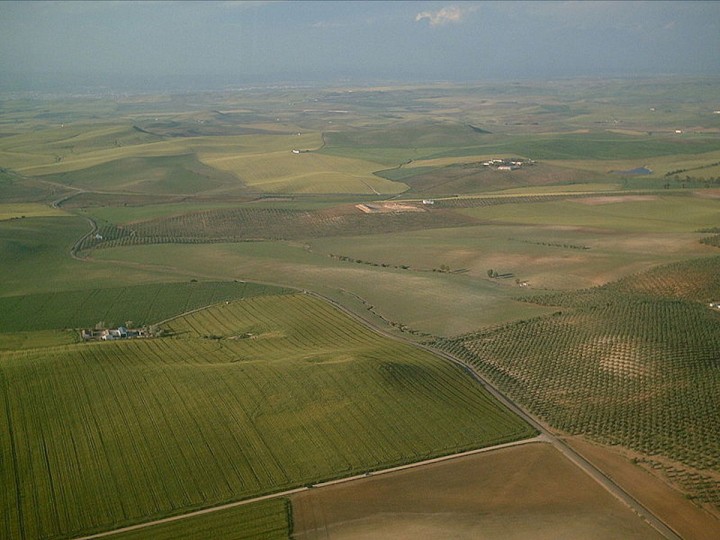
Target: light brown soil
[(708, 193), (515, 493), (594, 201), (384, 208), (689, 520)]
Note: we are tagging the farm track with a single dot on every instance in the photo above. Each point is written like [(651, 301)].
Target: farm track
[(93, 224)]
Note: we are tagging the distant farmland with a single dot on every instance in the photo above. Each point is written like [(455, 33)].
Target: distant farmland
[(582, 294)]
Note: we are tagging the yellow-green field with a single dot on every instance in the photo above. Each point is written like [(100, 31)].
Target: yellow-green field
[(19, 211), (286, 172)]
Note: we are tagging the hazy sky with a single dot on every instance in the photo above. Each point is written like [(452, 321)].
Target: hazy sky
[(300, 41)]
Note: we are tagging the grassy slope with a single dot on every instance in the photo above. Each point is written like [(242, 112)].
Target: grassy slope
[(652, 214), (442, 304), (30, 247), (562, 244), (141, 304), (179, 174), (293, 392)]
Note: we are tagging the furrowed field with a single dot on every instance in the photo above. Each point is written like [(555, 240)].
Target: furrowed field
[(267, 519), (250, 397)]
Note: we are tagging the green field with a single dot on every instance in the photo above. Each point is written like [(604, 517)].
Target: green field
[(140, 304), (251, 397), (36, 258), (267, 519), (579, 288)]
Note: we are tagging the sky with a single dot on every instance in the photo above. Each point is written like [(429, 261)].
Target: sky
[(222, 43)]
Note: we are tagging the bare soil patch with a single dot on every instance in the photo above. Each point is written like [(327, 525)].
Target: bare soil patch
[(524, 492), (381, 208), (708, 193), (611, 199)]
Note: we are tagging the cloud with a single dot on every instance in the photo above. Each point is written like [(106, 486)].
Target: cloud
[(450, 14), (328, 24)]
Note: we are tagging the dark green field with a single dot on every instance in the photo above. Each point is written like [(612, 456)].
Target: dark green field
[(141, 304)]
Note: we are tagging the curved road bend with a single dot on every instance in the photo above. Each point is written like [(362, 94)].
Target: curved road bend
[(545, 436)]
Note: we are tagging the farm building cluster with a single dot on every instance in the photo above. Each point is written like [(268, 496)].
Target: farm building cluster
[(110, 334), (507, 164)]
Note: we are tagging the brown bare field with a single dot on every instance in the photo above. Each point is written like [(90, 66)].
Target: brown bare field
[(688, 519), (515, 493)]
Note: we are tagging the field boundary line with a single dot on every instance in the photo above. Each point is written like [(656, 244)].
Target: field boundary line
[(225, 506), (194, 513)]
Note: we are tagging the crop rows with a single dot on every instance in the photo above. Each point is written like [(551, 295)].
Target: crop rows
[(630, 370), (290, 392), (232, 225), (269, 520), (141, 304)]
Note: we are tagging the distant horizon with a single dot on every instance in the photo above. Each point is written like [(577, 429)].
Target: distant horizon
[(84, 84), (191, 45)]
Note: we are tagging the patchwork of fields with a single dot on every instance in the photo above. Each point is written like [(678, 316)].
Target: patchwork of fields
[(580, 289)]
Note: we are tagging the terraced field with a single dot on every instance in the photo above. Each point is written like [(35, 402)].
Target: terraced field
[(249, 397)]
